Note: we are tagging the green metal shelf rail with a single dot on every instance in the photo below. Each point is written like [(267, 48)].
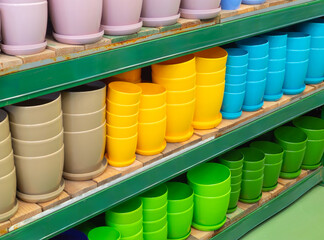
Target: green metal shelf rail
[(238, 229), (89, 207), (20, 86)]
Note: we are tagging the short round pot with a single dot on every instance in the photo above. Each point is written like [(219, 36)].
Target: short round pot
[(180, 197), (290, 138), (232, 105), (276, 39), (232, 159), (256, 46), (273, 152), (104, 232), (292, 160), (211, 60), (271, 174), (124, 93), (179, 224), (254, 94), (155, 198), (253, 159), (237, 57), (251, 189), (153, 95)]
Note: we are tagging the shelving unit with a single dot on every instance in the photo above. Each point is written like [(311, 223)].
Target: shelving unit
[(46, 76)]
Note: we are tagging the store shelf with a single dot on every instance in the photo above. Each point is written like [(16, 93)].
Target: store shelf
[(23, 85)]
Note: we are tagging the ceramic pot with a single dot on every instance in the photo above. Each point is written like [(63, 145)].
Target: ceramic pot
[(117, 19), (4, 125), (6, 165), (8, 185), (26, 33), (5, 147), (76, 21)]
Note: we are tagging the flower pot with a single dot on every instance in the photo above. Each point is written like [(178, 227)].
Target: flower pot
[(6, 165), (235, 88), (297, 55), (210, 179), (251, 175), (258, 63), (313, 27), (121, 121), (127, 230), (254, 93), (236, 171), (75, 21), (160, 234), (236, 70), (292, 160), (4, 125), (232, 105), (295, 77), (291, 138), (122, 110), (176, 84), (151, 137), (152, 115), (298, 41), (230, 4), (276, 65), (133, 76), (153, 95), (180, 197), (236, 179), (274, 83), (277, 53), (232, 159), (253, 2), (256, 46), (179, 224), (155, 198), (201, 5), (37, 110), (154, 214), (117, 19), (157, 13), (124, 93), (276, 39), (155, 225), (104, 232), (181, 97), (198, 13), (5, 147), (273, 152), (209, 101), (253, 158), (237, 57), (271, 175), (251, 190), (314, 152), (138, 235), (234, 197), (25, 35), (211, 60), (84, 99), (212, 78), (317, 42), (235, 79), (122, 132), (256, 75), (312, 126), (8, 202), (315, 72), (236, 186)]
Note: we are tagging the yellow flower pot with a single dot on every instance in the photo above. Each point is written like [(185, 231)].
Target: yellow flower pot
[(122, 132), (209, 101), (175, 68), (121, 121), (151, 137), (179, 121), (212, 78), (124, 93), (122, 110), (211, 60), (152, 115), (153, 95), (133, 76), (176, 84), (180, 97), (121, 151)]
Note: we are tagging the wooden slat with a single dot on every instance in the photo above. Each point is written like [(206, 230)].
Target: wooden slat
[(108, 175), (47, 54), (175, 147), (25, 211), (266, 196), (7, 62), (76, 188), (126, 170), (57, 201), (267, 106), (279, 189), (61, 49), (287, 182), (146, 160), (4, 227)]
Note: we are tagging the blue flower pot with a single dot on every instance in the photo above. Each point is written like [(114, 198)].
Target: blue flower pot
[(230, 4), (317, 42), (256, 75), (276, 39), (274, 83), (253, 2), (258, 63), (254, 92), (298, 41), (277, 65), (277, 53), (236, 70), (235, 88), (315, 72), (313, 27), (295, 76), (256, 46), (297, 55), (232, 105), (237, 57), (235, 79)]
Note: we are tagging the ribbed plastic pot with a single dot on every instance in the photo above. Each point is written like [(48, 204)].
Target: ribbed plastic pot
[(276, 39), (254, 94), (251, 189), (230, 4), (105, 233), (256, 46), (273, 152), (295, 76), (274, 83), (290, 138), (179, 224), (232, 105), (315, 72), (237, 57)]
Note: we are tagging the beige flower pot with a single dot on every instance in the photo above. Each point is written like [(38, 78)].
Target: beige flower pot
[(5, 147), (37, 132), (37, 110), (4, 125), (37, 148), (6, 165), (87, 98), (8, 203)]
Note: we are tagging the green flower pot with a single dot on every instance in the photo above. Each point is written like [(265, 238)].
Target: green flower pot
[(137, 236), (314, 152), (180, 197), (160, 234), (210, 179), (251, 175), (104, 233), (210, 211), (253, 159), (179, 224), (236, 186), (129, 212), (234, 199), (271, 174), (127, 230), (292, 160), (232, 159), (154, 214), (155, 198), (273, 152), (154, 226), (236, 179), (290, 138), (312, 126), (236, 171), (251, 189)]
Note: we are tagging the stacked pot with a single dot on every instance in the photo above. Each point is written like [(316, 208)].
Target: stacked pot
[(84, 112), (293, 141), (122, 122), (100, 233), (315, 28), (234, 161), (235, 83), (258, 49), (252, 175), (298, 47), (314, 129), (180, 210), (230, 4), (152, 119), (210, 85), (76, 21), (211, 183), (8, 182), (127, 218), (178, 76), (155, 213), (277, 65), (37, 140), (26, 34), (133, 76), (272, 163), (204, 9)]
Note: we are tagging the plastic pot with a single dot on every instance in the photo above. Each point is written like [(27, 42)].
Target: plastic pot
[(250, 175), (259, 63), (298, 41), (312, 126), (120, 20), (208, 105), (251, 189), (180, 197), (133, 76), (317, 42), (5, 147), (124, 93), (232, 105), (210, 179), (236, 171), (254, 93), (137, 236), (235, 88), (8, 200), (236, 179), (122, 132), (104, 233), (121, 121), (274, 83), (212, 78), (253, 158), (76, 22), (152, 115), (4, 125), (235, 186), (84, 99), (127, 230), (235, 79), (271, 174), (292, 160), (315, 73), (230, 4), (150, 215), (273, 152), (290, 138), (256, 46), (179, 224), (313, 27), (256, 75), (277, 53), (276, 65), (234, 197), (176, 84), (6, 165), (202, 5), (126, 213), (297, 55), (276, 39), (253, 2), (160, 234), (314, 152), (295, 77), (153, 226), (232, 159), (236, 70), (237, 57), (153, 95), (181, 97), (211, 60), (122, 110), (25, 35)]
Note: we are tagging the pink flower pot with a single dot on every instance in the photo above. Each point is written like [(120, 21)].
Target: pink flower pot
[(121, 17), (23, 24), (76, 21), (202, 9), (156, 13)]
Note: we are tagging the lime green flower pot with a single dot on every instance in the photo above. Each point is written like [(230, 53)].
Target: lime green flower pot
[(104, 233), (155, 198), (179, 224), (160, 234), (180, 197), (273, 152)]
